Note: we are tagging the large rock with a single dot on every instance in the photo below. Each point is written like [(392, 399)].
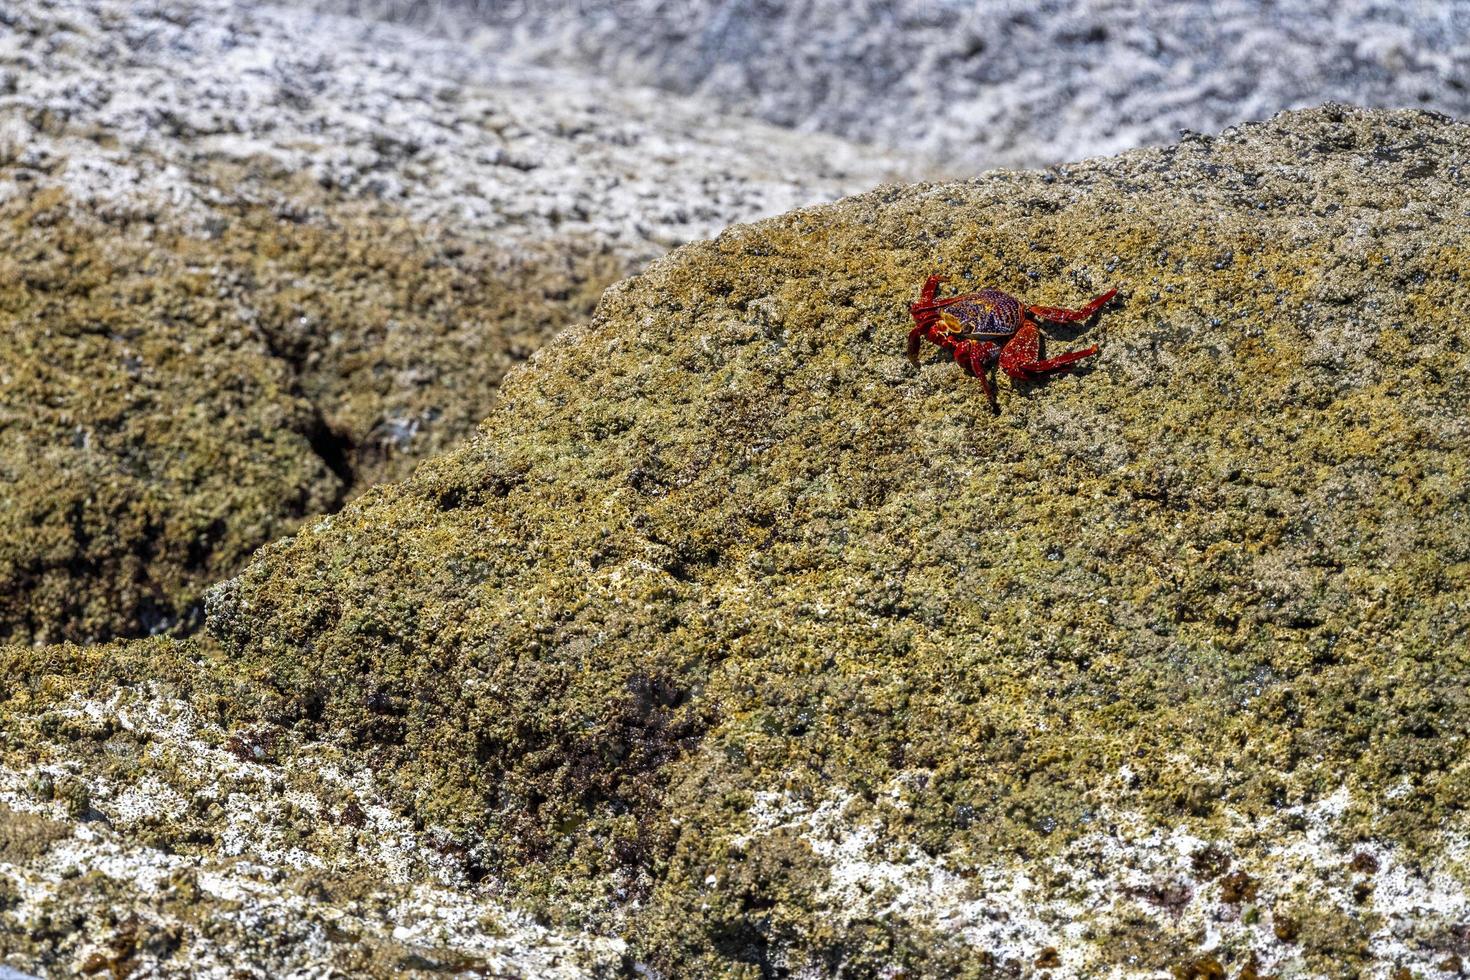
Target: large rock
[(734, 632), (254, 261)]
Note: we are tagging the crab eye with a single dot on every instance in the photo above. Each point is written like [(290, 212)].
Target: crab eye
[(951, 322)]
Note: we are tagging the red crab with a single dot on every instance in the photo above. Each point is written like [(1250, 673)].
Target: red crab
[(978, 328)]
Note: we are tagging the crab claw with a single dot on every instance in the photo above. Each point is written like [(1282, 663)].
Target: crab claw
[(931, 286)]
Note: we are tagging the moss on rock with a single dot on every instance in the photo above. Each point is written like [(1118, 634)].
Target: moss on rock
[(734, 632), (169, 402)]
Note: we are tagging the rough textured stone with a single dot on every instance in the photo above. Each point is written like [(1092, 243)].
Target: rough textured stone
[(169, 402), (141, 837), (167, 108), (253, 260), (734, 632)]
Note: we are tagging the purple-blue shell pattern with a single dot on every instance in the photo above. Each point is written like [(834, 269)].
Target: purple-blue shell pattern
[(989, 312)]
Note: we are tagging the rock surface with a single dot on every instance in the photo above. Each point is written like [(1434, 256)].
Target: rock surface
[(253, 261), (735, 635), (169, 401), (734, 645), (139, 837), (987, 83)]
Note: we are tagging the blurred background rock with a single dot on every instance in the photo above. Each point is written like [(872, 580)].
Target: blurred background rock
[(986, 83)]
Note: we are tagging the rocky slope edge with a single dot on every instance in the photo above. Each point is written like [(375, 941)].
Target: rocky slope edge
[(139, 836), (254, 260), (736, 630)]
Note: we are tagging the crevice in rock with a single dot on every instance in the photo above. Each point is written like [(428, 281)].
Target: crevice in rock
[(335, 449)]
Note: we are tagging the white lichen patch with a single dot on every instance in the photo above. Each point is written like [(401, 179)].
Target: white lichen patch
[(133, 107), (1000, 83), (284, 865), (1240, 896)]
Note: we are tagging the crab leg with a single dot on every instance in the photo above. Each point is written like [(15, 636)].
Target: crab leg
[(1021, 357), (916, 336), (937, 304), (974, 356), (1061, 362), (1058, 314), (927, 304), (989, 390), (931, 286)]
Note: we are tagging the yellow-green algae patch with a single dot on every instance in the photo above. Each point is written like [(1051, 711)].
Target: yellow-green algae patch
[(724, 546), (169, 402)]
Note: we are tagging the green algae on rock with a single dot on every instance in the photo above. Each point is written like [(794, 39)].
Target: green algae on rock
[(170, 402), (733, 629)]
